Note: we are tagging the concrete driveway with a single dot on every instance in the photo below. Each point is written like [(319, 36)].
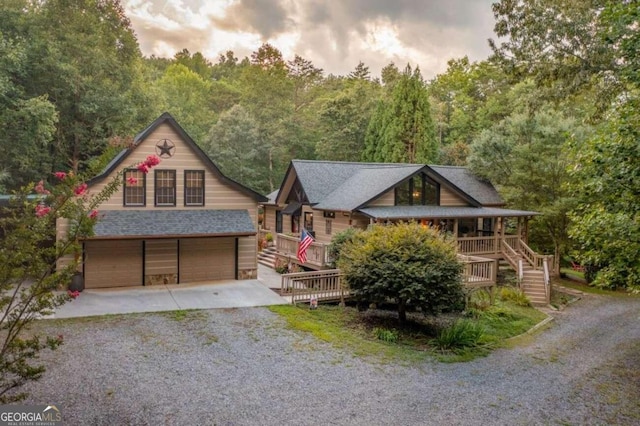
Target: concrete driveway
[(218, 294)]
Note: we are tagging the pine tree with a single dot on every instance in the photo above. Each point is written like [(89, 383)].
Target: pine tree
[(401, 129)]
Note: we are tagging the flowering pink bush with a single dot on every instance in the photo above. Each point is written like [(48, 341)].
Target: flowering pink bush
[(39, 188), (35, 270), (152, 160), (132, 181), (80, 189), (42, 210), (143, 168)]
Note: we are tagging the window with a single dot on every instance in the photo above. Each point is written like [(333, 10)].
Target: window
[(308, 221), (165, 185), (194, 188), (327, 226), (418, 191), (279, 221), (134, 188)]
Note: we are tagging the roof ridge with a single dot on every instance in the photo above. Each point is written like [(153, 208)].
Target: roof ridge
[(363, 163)]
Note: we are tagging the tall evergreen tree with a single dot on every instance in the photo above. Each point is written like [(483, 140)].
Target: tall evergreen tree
[(401, 129)]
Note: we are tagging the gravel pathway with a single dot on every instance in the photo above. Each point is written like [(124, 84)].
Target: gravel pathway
[(243, 367)]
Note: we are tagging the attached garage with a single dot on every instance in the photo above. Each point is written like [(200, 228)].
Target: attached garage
[(113, 263), (156, 247), (207, 259), (160, 261)]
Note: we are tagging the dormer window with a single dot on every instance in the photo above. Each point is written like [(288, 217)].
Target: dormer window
[(419, 190)]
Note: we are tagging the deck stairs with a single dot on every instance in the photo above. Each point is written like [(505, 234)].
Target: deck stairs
[(532, 280), (267, 257)]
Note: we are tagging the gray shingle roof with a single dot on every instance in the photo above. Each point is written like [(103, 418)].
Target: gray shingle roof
[(272, 197), (480, 190), (321, 178), (336, 185), (420, 212), (173, 223), (365, 184)]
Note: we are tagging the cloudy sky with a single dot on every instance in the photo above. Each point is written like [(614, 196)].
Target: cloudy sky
[(334, 34)]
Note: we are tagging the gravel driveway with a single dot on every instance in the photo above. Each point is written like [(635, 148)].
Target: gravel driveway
[(242, 366)]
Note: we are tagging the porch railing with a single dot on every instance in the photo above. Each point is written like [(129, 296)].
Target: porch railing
[(317, 253), (321, 285), (478, 271), (477, 245)]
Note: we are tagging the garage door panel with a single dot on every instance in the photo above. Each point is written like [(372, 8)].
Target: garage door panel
[(207, 259), (113, 264)]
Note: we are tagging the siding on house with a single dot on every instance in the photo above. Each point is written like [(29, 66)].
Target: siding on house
[(450, 198), (386, 199), (218, 194), (270, 218), (160, 262)]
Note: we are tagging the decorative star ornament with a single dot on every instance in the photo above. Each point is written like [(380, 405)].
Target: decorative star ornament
[(165, 148)]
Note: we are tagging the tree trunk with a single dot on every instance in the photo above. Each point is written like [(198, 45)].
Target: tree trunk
[(402, 311)]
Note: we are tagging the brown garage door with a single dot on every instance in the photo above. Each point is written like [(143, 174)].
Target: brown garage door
[(113, 263), (207, 259)]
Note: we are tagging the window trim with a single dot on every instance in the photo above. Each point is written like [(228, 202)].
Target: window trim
[(426, 180), (155, 188), (202, 174), (124, 188)]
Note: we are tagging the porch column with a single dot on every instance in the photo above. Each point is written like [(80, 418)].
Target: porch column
[(496, 231), (519, 228), (525, 237), (455, 228)]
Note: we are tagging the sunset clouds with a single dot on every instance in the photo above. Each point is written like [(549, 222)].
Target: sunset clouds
[(335, 35)]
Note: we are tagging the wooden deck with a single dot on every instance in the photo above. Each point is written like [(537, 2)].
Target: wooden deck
[(322, 285), (328, 285)]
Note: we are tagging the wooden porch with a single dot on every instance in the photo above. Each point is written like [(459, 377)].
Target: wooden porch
[(329, 285), (318, 255), (479, 255)]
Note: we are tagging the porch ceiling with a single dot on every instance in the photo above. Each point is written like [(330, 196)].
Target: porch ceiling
[(439, 212)]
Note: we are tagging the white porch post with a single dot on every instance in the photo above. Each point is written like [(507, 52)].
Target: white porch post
[(496, 231)]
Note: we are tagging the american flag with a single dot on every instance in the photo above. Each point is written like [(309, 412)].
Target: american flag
[(305, 241)]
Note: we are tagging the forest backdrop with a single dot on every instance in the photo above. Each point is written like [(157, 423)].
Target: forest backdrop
[(551, 118)]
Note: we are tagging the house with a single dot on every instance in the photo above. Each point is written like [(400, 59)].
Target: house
[(182, 222), (327, 197)]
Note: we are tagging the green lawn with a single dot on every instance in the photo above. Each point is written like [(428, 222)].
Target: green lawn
[(360, 332)]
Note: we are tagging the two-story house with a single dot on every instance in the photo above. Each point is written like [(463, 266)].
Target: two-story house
[(182, 222)]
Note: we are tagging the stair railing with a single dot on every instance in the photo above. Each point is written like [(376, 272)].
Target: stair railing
[(547, 281), (520, 271)]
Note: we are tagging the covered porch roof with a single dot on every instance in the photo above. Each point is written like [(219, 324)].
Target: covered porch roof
[(440, 212), (153, 223)]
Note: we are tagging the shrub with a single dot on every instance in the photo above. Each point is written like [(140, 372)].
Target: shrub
[(337, 242), (514, 295), (281, 266), (386, 335), (461, 334), (479, 300), (269, 237), (414, 266)]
